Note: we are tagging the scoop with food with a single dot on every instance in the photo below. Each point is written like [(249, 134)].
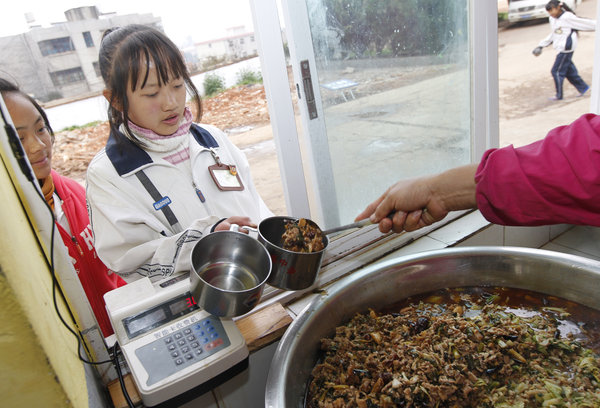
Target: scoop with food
[(302, 236)]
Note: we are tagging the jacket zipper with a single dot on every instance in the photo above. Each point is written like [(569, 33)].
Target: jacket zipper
[(198, 192), (77, 245)]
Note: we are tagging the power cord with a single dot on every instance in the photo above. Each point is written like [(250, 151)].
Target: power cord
[(116, 349), (54, 287)]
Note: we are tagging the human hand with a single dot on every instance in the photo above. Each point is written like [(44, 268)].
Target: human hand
[(421, 202), (412, 203), (537, 51), (225, 225)]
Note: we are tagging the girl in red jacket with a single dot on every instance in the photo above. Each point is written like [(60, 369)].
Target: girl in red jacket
[(65, 196)]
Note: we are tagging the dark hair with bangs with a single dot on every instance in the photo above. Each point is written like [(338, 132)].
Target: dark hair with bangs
[(125, 52), (8, 87), (556, 3)]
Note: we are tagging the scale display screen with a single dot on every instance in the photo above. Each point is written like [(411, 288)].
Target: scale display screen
[(159, 315)]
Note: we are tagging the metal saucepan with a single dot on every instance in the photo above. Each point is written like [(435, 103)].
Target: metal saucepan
[(229, 271), (567, 276), (293, 270), (290, 270)]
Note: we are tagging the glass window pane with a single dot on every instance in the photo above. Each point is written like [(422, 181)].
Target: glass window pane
[(394, 78), (89, 41), (56, 46)]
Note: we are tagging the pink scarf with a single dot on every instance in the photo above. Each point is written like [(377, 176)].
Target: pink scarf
[(184, 128)]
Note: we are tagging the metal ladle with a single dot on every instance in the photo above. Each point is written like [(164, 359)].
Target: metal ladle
[(357, 224)]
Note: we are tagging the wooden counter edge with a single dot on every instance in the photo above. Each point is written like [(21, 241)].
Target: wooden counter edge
[(264, 326), (116, 394)]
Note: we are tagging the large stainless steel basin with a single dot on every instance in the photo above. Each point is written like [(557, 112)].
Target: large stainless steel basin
[(567, 276)]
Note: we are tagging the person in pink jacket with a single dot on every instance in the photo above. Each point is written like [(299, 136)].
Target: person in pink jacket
[(555, 180), (66, 197)]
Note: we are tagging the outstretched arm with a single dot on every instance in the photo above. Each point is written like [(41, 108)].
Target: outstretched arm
[(420, 202)]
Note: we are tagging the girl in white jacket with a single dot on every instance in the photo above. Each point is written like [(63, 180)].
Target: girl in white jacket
[(161, 182), (564, 24)]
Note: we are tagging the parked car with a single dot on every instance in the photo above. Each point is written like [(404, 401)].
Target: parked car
[(524, 10)]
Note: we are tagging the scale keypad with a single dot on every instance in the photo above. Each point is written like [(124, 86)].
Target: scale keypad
[(177, 348)]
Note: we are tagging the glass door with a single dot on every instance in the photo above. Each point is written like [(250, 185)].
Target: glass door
[(388, 90)]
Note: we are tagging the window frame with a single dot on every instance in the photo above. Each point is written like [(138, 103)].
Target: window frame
[(484, 100)]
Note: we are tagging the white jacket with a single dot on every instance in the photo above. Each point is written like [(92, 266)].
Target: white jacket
[(133, 238), (562, 28)]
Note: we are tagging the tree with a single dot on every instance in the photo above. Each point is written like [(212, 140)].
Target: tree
[(403, 27)]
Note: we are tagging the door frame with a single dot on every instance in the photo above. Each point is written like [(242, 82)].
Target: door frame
[(318, 203)]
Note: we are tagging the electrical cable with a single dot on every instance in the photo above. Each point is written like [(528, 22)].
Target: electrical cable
[(116, 349), (55, 285)]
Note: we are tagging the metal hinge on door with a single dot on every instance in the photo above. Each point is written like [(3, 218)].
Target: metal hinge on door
[(308, 89)]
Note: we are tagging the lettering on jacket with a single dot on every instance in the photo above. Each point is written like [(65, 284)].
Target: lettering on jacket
[(162, 202), (88, 237)]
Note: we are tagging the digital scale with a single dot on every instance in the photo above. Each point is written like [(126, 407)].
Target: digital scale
[(170, 344)]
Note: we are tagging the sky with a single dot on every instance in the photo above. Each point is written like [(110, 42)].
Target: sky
[(201, 20)]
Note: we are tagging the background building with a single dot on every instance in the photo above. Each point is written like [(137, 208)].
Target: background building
[(62, 61), (237, 45)]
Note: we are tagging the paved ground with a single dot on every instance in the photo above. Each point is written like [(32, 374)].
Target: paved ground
[(525, 112)]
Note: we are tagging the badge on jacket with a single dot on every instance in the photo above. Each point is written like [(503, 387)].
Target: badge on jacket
[(226, 177)]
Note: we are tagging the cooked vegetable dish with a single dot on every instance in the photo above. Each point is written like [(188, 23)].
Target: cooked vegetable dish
[(302, 236), (462, 349)]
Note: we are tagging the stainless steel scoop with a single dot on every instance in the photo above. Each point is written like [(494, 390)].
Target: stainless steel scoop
[(357, 224)]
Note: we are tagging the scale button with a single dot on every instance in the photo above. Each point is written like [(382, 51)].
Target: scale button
[(178, 335), (189, 356), (172, 347), (175, 354), (195, 344), (214, 344), (181, 342), (179, 361), (185, 349)]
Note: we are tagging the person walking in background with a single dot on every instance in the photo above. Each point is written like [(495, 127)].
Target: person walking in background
[(162, 182), (565, 25), (65, 197)]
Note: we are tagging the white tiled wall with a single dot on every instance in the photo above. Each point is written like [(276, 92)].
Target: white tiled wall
[(474, 230), (582, 241)]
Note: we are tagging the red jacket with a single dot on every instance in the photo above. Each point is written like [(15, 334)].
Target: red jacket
[(94, 276), (555, 180)]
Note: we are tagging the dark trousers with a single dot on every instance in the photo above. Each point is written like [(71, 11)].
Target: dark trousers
[(564, 68)]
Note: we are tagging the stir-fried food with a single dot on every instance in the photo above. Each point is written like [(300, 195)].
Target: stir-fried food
[(467, 354), (302, 236)]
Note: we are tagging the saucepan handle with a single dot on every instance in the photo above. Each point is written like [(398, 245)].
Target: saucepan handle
[(236, 228)]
